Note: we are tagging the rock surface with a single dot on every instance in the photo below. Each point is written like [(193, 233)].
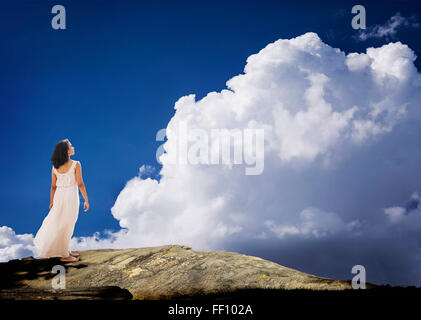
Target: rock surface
[(162, 272), (92, 293)]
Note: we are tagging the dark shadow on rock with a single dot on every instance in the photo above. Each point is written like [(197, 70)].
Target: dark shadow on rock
[(13, 272), (83, 293)]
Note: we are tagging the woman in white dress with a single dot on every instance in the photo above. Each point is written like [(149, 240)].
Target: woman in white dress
[(53, 238)]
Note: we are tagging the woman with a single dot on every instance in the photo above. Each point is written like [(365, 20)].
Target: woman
[(53, 238)]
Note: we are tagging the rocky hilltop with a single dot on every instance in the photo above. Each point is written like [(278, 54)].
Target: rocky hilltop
[(160, 272)]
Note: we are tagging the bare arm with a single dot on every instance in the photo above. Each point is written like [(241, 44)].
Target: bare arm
[(53, 187), (81, 185)]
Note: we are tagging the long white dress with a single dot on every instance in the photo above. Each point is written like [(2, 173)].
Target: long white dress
[(53, 238)]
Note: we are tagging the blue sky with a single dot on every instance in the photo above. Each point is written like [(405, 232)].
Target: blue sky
[(110, 80)]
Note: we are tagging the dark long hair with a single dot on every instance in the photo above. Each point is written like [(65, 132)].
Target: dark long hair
[(60, 154)]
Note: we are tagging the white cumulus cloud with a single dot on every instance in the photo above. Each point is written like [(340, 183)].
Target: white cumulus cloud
[(14, 246), (314, 103)]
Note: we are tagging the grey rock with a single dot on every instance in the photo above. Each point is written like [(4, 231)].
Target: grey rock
[(163, 272)]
